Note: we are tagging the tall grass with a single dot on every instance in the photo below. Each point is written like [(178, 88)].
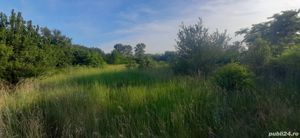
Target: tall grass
[(115, 102)]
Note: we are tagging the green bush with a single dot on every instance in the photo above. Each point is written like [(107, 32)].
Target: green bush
[(233, 76), (131, 64), (146, 62), (287, 65)]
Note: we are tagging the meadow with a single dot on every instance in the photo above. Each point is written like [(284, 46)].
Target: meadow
[(118, 102)]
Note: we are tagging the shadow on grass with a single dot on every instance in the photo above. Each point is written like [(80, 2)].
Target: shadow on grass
[(79, 114), (116, 79)]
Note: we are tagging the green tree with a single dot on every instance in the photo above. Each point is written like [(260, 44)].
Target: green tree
[(282, 30), (258, 55), (5, 54), (124, 50), (28, 51), (198, 51), (139, 50)]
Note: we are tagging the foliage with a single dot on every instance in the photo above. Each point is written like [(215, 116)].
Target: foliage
[(287, 65), (198, 51), (258, 55), (131, 64), (28, 50), (87, 57), (124, 50), (167, 56), (5, 53), (232, 77), (146, 62), (281, 30), (139, 50), (116, 57)]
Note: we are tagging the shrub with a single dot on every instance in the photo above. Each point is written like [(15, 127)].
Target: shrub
[(287, 65), (257, 56), (233, 77), (146, 62), (131, 64)]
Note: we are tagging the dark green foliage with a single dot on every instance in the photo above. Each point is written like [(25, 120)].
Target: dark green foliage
[(258, 55), (146, 62), (270, 45), (280, 31), (131, 64), (115, 57), (231, 53), (122, 54), (286, 67), (124, 50), (87, 57), (5, 53), (28, 50), (233, 76), (139, 50), (168, 56), (198, 51)]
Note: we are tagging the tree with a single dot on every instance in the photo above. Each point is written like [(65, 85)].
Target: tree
[(258, 55), (28, 51), (5, 54), (198, 51), (139, 50), (282, 30), (124, 50), (168, 56), (87, 56), (115, 57)]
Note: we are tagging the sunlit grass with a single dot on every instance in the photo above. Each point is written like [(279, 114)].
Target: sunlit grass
[(116, 102)]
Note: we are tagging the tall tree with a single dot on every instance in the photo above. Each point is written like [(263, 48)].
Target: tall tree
[(124, 50), (282, 30), (139, 50), (198, 51)]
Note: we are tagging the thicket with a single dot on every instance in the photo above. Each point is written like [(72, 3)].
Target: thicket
[(28, 50), (270, 49)]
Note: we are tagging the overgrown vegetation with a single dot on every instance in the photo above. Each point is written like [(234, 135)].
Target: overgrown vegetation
[(28, 50), (208, 87), (233, 77), (116, 102)]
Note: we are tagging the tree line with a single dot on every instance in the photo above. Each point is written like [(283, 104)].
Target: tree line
[(28, 50)]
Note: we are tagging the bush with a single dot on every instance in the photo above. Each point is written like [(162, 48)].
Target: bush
[(233, 76), (287, 65), (131, 64), (146, 62), (257, 56)]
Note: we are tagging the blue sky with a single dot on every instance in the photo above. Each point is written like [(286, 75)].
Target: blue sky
[(102, 23)]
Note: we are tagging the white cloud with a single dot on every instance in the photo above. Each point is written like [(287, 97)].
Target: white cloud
[(232, 15)]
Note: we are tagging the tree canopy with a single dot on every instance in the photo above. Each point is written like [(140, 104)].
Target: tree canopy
[(29, 50)]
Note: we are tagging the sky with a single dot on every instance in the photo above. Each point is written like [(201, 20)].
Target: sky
[(103, 23)]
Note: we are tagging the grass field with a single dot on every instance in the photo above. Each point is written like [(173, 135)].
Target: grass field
[(117, 102)]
